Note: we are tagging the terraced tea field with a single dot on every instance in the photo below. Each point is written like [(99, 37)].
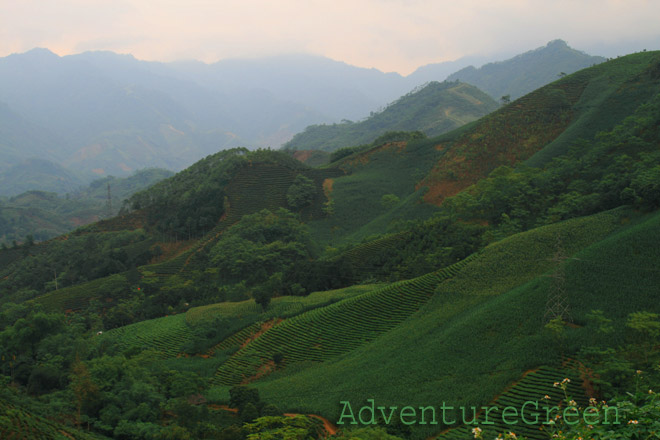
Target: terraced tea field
[(78, 297), (326, 332), (282, 307), (18, 424), (531, 390), (166, 335)]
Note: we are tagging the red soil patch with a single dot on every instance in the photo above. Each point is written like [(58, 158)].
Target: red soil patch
[(262, 371), (327, 187), (505, 137), (82, 221), (264, 328), (223, 408), (329, 427), (302, 155), (586, 375)]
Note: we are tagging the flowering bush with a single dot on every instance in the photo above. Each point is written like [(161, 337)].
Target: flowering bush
[(633, 416)]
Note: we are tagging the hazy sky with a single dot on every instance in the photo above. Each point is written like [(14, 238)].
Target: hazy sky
[(391, 35)]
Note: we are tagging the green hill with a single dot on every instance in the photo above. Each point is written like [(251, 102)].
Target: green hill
[(44, 215), (39, 175), (545, 123), (432, 109), (526, 72), (434, 266)]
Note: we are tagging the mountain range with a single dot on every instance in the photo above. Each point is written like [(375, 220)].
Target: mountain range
[(100, 113)]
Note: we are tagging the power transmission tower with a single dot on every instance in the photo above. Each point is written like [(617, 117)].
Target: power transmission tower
[(556, 305)]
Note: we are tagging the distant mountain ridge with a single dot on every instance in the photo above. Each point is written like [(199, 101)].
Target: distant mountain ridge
[(40, 175), (433, 109), (526, 72), (106, 113), (43, 214)]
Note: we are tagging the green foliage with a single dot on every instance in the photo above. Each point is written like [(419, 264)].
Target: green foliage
[(301, 192), (283, 428), (79, 258), (19, 423), (186, 204), (368, 433), (45, 215), (618, 168), (343, 152), (356, 197), (526, 72), (324, 333), (389, 201), (429, 110), (260, 244), (465, 332)]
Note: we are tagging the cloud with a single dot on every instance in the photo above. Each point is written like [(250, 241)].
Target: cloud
[(392, 35)]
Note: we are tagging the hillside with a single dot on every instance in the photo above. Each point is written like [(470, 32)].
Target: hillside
[(478, 267), (39, 175), (433, 109), (112, 114), (526, 72), (545, 123), (44, 215)]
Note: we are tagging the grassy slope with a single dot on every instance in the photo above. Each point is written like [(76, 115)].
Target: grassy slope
[(544, 123), (19, 424), (453, 349), (388, 169), (615, 89), (434, 109), (327, 332), (528, 71), (168, 335)]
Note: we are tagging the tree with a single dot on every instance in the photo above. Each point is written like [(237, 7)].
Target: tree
[(389, 201), (506, 99), (647, 327), (84, 389), (301, 192), (262, 296), (249, 413), (240, 396)]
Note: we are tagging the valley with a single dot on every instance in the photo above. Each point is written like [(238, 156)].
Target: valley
[(506, 263)]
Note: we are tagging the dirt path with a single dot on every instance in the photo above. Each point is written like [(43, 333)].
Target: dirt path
[(330, 428)]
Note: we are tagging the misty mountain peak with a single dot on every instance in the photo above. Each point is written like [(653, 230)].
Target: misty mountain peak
[(41, 53), (558, 43)]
